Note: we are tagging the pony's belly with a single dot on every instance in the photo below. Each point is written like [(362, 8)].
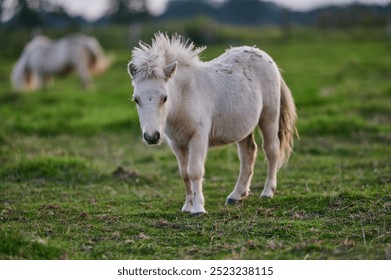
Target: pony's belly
[(214, 142), (220, 141), (230, 133), (232, 124)]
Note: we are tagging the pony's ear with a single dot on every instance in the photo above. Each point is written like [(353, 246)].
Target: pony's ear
[(169, 70), (131, 69)]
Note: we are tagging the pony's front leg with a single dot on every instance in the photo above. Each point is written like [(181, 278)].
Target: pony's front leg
[(182, 155), (198, 148), (38, 81), (81, 66)]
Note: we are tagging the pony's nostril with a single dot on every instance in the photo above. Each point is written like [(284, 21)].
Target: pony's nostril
[(156, 136), (154, 139), (146, 137)]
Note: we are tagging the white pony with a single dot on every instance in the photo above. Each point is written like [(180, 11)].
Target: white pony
[(196, 105), (42, 59)]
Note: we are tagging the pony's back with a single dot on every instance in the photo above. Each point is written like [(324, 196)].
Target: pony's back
[(98, 62)]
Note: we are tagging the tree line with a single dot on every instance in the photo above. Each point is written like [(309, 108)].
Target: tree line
[(33, 13)]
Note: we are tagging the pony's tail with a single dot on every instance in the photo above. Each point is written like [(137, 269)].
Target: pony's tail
[(287, 124)]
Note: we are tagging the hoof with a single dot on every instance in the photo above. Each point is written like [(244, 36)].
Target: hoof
[(267, 194), (186, 210), (231, 201), (266, 197)]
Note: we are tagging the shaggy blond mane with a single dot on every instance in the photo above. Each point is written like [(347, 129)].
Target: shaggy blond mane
[(149, 60)]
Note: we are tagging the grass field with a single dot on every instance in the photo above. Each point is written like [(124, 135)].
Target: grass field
[(76, 182)]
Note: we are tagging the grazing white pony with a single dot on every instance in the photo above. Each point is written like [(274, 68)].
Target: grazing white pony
[(43, 58), (196, 105)]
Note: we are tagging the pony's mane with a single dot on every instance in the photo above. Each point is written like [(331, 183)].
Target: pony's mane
[(149, 60)]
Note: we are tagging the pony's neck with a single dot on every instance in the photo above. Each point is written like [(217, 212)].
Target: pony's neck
[(180, 88), (182, 84)]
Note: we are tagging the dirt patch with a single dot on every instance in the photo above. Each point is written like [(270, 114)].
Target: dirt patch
[(124, 174)]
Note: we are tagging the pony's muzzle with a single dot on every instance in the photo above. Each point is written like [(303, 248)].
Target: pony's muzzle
[(152, 139)]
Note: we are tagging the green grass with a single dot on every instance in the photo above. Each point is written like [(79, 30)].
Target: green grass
[(62, 196)]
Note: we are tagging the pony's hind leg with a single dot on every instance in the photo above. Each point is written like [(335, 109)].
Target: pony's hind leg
[(247, 153), (271, 145)]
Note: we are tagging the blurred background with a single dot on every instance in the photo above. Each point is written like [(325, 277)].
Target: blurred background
[(205, 21)]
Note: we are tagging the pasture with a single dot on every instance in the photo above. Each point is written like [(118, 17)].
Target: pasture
[(76, 181)]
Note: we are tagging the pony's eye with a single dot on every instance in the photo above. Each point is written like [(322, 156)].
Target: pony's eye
[(135, 100), (164, 99)]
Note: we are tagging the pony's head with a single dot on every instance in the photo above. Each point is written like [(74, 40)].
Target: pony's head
[(22, 78), (152, 69), (152, 98)]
